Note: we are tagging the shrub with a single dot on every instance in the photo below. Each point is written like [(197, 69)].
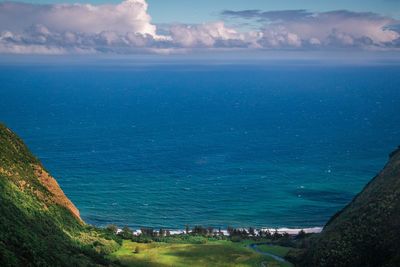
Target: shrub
[(126, 233), (112, 228), (236, 238)]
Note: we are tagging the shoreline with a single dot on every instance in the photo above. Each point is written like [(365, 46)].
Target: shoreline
[(282, 230)]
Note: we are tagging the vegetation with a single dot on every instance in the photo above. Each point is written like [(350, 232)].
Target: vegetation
[(274, 249), (39, 226), (201, 235), (203, 246), (211, 253), (366, 232)]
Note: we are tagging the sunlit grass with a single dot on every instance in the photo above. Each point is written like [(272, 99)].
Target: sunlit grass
[(215, 253)]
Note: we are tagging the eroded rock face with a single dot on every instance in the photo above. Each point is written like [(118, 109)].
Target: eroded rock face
[(18, 165), (39, 225), (58, 195)]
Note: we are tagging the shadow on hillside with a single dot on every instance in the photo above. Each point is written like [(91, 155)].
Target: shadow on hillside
[(132, 261)]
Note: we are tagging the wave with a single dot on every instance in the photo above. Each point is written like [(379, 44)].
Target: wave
[(283, 230)]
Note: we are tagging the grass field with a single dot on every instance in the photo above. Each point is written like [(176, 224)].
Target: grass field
[(276, 250), (214, 253)]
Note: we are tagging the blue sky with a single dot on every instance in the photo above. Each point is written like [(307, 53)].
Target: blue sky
[(205, 10), (189, 11)]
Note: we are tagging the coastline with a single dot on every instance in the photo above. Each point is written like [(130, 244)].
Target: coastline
[(283, 230)]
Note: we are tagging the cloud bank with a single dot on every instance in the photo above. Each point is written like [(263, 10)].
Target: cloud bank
[(127, 28), (335, 29)]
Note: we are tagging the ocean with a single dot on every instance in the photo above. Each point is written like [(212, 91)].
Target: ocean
[(165, 145)]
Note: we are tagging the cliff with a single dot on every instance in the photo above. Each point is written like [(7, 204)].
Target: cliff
[(39, 225)]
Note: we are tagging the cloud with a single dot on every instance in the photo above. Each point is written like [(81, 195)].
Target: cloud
[(280, 15), (127, 28), (206, 35), (62, 28), (300, 28), (128, 16)]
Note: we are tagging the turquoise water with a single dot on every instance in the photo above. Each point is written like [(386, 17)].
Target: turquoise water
[(241, 145)]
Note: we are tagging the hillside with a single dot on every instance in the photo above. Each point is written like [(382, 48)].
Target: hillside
[(367, 231), (39, 225)]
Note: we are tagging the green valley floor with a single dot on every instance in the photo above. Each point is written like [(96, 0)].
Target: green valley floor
[(213, 253)]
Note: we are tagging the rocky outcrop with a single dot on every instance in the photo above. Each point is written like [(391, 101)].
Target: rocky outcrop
[(58, 195)]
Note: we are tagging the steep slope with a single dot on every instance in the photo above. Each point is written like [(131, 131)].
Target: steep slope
[(367, 231), (39, 225)]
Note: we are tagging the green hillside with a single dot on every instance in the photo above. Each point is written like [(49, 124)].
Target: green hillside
[(367, 231), (39, 226)]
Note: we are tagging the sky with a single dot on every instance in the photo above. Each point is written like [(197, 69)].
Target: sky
[(193, 11), (165, 11), (177, 26)]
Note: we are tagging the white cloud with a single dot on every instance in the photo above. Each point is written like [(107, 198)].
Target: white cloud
[(128, 16), (65, 28), (298, 28), (204, 35), (279, 37), (127, 28), (347, 28)]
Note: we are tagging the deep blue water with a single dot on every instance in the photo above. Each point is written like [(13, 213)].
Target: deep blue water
[(169, 145)]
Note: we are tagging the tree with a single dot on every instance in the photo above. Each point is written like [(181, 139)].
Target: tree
[(262, 233), (301, 234), (252, 232), (230, 230), (267, 234), (187, 229), (276, 235), (126, 233), (210, 230), (285, 239), (112, 228), (199, 230), (244, 233), (161, 232), (147, 231)]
